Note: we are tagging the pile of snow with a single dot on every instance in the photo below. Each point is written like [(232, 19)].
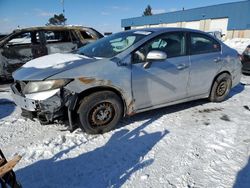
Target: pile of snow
[(238, 44)]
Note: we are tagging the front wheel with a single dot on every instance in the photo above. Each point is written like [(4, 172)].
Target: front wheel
[(221, 88), (100, 112)]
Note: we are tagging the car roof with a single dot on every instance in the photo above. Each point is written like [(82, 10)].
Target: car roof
[(174, 29), (66, 27), (167, 29)]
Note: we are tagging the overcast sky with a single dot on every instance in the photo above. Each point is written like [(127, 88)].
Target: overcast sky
[(104, 15)]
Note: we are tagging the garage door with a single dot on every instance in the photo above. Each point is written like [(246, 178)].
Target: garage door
[(193, 25), (219, 25)]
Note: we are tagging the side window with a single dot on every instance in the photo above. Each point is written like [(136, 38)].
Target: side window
[(203, 44), (25, 38), (57, 36), (86, 35), (22, 38), (173, 44)]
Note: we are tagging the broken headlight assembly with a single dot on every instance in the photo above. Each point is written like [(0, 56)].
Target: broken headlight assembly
[(39, 86)]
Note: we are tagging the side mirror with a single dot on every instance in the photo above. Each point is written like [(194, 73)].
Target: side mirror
[(154, 55)]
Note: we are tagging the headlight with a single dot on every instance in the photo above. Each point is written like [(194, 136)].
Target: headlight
[(33, 87)]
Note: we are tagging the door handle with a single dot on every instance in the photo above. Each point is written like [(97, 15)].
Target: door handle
[(217, 60), (182, 66)]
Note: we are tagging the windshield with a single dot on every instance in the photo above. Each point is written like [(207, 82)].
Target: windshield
[(112, 45)]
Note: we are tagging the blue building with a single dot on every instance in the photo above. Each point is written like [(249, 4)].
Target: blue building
[(232, 19)]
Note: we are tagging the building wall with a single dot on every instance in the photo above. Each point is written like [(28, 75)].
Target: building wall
[(232, 19), (205, 25), (238, 34)]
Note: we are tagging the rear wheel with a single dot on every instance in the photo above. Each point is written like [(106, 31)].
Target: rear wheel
[(100, 112), (221, 88)]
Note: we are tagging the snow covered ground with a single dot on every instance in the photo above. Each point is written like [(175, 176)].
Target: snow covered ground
[(196, 144), (239, 44)]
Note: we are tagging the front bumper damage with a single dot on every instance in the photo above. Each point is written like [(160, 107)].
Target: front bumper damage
[(55, 107)]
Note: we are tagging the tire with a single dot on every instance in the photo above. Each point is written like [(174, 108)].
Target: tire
[(221, 88), (100, 112)]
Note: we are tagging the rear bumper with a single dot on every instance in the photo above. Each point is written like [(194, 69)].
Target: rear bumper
[(246, 66), (246, 71), (236, 74), (245, 60)]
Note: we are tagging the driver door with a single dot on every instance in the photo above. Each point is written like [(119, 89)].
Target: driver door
[(164, 81)]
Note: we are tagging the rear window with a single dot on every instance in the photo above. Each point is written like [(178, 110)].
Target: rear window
[(203, 44), (86, 35)]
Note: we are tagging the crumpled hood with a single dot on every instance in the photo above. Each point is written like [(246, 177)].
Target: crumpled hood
[(46, 66)]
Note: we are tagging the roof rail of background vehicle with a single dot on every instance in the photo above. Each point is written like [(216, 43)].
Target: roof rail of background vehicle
[(52, 27)]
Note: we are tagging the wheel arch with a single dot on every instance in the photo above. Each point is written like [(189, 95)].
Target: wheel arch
[(227, 72), (92, 90)]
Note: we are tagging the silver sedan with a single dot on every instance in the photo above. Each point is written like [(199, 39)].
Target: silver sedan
[(126, 73)]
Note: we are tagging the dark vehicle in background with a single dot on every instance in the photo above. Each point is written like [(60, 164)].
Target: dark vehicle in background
[(245, 59), (23, 45)]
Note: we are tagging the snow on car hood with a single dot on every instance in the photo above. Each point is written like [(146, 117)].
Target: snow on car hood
[(55, 60), (46, 66)]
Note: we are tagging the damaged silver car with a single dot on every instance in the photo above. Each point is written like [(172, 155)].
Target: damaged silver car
[(124, 74), (23, 45)]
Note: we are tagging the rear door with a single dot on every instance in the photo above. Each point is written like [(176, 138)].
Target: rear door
[(59, 41), (206, 60), (164, 81)]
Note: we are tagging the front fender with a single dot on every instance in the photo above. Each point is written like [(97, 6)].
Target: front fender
[(90, 85)]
